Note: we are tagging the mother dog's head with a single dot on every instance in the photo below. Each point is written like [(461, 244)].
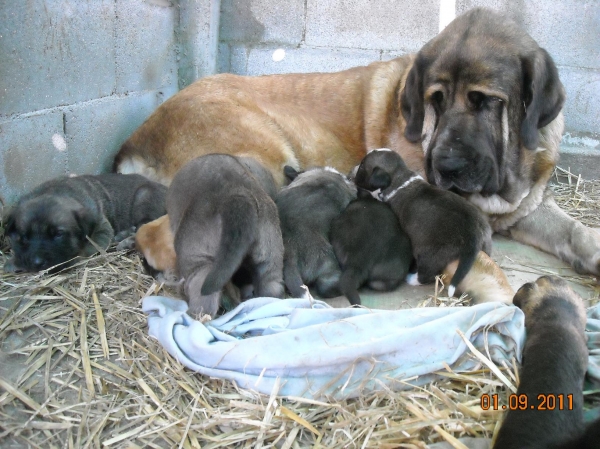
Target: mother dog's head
[(477, 95)]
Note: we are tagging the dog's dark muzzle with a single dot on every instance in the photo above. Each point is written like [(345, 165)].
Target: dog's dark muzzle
[(462, 169)]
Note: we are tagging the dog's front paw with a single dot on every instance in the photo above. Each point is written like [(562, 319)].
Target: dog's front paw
[(126, 244), (585, 243)]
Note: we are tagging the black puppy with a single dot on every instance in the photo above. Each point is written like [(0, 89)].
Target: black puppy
[(307, 207), (223, 219), (554, 364), (370, 246), (50, 225), (441, 225)]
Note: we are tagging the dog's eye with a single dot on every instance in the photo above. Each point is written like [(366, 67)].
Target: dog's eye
[(58, 233), (437, 98), (476, 99)]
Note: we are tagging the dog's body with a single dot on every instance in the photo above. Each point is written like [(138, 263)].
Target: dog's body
[(555, 360), (442, 226), (370, 247), (50, 225), (477, 109), (307, 206), (222, 217)]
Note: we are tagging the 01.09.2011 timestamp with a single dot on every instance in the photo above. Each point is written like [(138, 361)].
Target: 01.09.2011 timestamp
[(524, 402)]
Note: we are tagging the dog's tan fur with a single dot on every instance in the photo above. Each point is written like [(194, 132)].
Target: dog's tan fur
[(155, 241), (485, 282), (320, 119)]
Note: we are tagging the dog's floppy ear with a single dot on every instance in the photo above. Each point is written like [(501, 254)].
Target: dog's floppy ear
[(97, 229), (543, 95), (379, 179), (290, 173), (411, 100)]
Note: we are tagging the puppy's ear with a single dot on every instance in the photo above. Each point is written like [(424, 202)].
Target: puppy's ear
[(543, 95), (379, 179), (290, 173), (411, 101), (97, 229)]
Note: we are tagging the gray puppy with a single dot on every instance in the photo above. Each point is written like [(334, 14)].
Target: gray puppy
[(223, 219), (51, 224), (307, 206), (442, 226), (370, 246)]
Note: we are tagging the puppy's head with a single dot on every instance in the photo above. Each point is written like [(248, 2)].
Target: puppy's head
[(550, 297), (45, 231), (155, 241), (378, 168), (476, 96)]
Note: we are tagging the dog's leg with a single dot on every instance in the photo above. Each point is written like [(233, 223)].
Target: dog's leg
[(548, 407), (201, 304), (328, 279), (267, 261), (551, 229)]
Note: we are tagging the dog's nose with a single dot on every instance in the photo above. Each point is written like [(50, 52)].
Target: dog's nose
[(449, 161)]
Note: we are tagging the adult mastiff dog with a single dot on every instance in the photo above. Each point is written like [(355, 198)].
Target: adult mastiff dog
[(478, 110)]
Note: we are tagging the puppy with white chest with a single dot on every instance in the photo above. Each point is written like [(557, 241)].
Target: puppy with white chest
[(442, 226), (51, 225), (370, 246), (307, 206), (222, 217)]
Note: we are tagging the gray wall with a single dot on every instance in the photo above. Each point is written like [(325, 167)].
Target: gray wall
[(78, 76), (328, 35)]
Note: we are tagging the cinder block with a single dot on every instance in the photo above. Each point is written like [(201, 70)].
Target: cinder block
[(382, 25), (95, 130), (29, 156), (145, 45), (582, 107), (55, 53), (259, 61), (387, 55), (568, 30), (224, 58), (255, 21)]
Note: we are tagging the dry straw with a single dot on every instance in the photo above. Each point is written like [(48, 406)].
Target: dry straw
[(78, 370)]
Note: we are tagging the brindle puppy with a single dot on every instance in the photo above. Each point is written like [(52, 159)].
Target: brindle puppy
[(555, 360), (442, 226), (51, 225), (370, 246)]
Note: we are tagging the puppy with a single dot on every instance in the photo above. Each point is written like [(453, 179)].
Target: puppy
[(441, 225), (52, 224), (370, 246), (555, 360), (485, 282), (222, 218), (154, 240), (307, 206)]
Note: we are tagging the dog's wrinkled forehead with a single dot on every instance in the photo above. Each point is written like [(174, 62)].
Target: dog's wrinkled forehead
[(39, 214)]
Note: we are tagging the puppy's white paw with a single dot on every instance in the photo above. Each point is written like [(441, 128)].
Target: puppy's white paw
[(451, 290), (307, 294), (413, 279)]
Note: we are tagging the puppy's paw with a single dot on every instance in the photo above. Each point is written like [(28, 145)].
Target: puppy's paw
[(126, 244), (125, 234), (413, 279), (10, 267), (585, 245), (535, 298)]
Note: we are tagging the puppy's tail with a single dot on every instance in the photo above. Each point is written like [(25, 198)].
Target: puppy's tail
[(350, 280), (465, 263), (239, 221)]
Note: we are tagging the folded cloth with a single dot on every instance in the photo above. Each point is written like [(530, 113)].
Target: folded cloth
[(309, 349)]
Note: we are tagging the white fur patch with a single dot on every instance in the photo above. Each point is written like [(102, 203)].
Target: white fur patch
[(397, 189), (378, 149), (332, 170), (413, 279), (451, 289), (495, 204)]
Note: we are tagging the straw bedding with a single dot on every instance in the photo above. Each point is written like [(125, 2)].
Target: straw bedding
[(78, 370)]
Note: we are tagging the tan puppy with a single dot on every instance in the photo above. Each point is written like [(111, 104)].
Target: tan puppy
[(155, 241), (477, 110), (485, 282)]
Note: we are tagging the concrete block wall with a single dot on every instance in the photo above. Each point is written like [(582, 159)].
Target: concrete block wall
[(331, 35), (76, 79)]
